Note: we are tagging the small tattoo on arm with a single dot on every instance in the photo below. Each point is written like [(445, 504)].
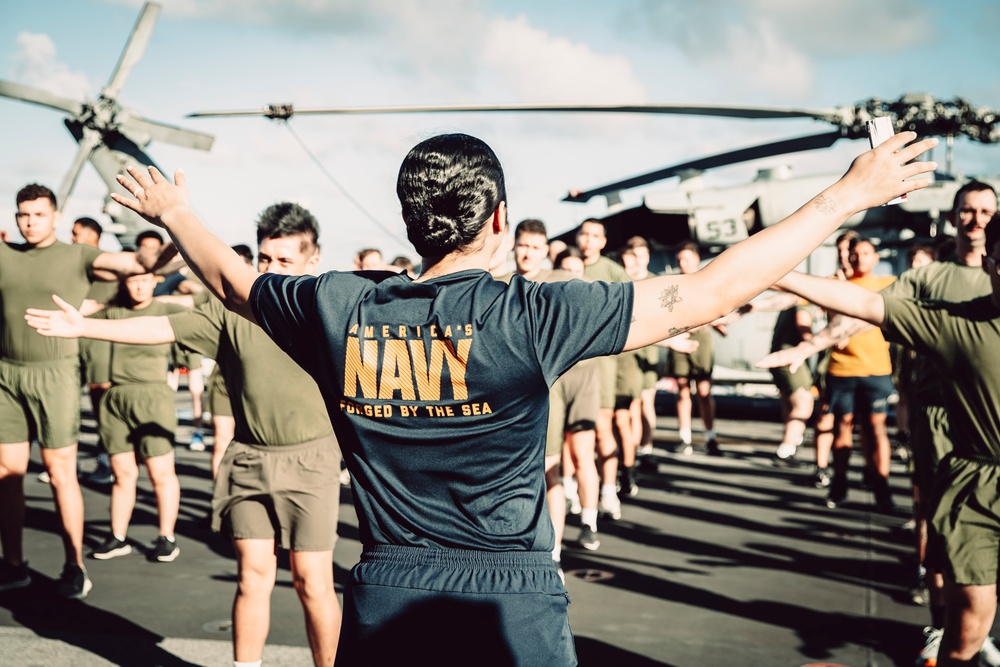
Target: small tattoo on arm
[(677, 331), (825, 204), (669, 298)]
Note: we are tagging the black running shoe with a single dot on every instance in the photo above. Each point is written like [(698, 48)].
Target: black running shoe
[(713, 447), (588, 538), (74, 583), (111, 548), (14, 576), (163, 550)]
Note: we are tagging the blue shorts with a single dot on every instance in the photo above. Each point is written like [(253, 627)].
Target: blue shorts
[(862, 395), (411, 605)]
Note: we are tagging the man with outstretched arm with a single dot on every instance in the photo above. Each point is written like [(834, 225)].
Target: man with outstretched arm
[(277, 484), (40, 379), (962, 339), (437, 387)]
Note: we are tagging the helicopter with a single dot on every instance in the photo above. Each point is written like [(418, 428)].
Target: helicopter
[(718, 217), (110, 136)]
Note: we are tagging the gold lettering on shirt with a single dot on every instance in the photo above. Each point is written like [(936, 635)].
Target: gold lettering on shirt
[(396, 373), (360, 369), (427, 370)]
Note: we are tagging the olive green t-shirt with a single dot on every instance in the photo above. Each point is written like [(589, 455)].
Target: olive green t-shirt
[(29, 277), (963, 340), (103, 291), (138, 364), (274, 401), (947, 280), (607, 270)]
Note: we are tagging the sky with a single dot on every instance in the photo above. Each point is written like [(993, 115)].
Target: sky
[(243, 54)]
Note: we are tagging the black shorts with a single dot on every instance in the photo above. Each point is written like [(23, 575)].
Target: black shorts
[(410, 605)]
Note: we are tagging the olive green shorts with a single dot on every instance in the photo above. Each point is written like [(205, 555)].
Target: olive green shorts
[(95, 361), (609, 381), (140, 418), (217, 400), (696, 366), (40, 400), (788, 383), (965, 527), (628, 379), (929, 443), (574, 403), (649, 364), (289, 494)]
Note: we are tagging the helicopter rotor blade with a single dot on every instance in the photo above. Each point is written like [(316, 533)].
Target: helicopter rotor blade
[(142, 130), (807, 143), (134, 49), (34, 95), (286, 111), (89, 141)]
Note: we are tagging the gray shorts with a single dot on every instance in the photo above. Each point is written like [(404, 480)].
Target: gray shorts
[(288, 493)]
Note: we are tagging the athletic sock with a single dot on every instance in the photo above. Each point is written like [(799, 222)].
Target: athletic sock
[(118, 537), (255, 663), (569, 485), (685, 435), (710, 434), (608, 490), (588, 517)]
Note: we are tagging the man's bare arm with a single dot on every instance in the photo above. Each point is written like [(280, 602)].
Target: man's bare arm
[(837, 295), (166, 205), (668, 305), (68, 322)]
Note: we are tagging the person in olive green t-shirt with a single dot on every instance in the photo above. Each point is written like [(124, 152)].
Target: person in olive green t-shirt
[(591, 240), (139, 420), (40, 379), (963, 341), (282, 425)]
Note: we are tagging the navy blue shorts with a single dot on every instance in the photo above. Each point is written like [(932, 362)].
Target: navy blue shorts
[(861, 395), (416, 606)]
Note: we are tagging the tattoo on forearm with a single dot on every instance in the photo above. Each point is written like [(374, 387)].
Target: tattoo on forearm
[(677, 331), (669, 298), (825, 204)]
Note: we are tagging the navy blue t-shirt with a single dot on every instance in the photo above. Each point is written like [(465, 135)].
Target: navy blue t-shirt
[(438, 392)]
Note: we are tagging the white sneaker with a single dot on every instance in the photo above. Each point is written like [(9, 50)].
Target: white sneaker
[(573, 506), (928, 655), (786, 451), (989, 654), (611, 506)]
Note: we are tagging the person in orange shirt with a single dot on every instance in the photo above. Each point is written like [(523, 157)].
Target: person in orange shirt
[(859, 381)]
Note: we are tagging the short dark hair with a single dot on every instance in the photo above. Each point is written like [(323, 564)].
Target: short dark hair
[(570, 251), (244, 251), (287, 219), (448, 186), (691, 246), (636, 242), (972, 186), (531, 226), (91, 224), (916, 249), (34, 191), (365, 252), (402, 262), (593, 221), (148, 234)]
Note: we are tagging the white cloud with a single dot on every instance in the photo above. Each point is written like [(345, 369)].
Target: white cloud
[(35, 64), (538, 66)]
